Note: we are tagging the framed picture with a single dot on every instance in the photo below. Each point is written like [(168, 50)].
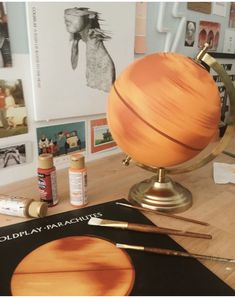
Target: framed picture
[(101, 138), (227, 60), (76, 52)]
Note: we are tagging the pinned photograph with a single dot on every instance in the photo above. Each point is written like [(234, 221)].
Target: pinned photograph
[(101, 138), (190, 34), (5, 49), (13, 114), (61, 139), (209, 32), (12, 155)]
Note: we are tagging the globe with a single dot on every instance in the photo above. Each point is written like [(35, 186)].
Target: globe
[(163, 109)]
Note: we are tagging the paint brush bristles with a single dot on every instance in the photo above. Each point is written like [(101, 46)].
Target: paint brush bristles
[(175, 253), (146, 228), (163, 214)]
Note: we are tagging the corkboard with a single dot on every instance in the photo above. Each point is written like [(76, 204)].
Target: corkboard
[(204, 7)]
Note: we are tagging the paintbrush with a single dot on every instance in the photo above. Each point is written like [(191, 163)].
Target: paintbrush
[(145, 228), (175, 253), (163, 214), (229, 154)]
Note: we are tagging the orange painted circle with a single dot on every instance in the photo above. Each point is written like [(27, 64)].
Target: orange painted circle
[(163, 109), (74, 266)]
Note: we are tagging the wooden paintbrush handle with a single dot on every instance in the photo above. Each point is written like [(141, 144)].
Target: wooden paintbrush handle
[(186, 254), (153, 229)]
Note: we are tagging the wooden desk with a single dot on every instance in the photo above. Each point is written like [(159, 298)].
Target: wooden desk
[(108, 179)]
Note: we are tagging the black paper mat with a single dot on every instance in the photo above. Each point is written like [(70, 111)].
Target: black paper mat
[(155, 274)]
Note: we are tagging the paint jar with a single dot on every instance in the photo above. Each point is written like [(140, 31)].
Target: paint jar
[(22, 207), (47, 179), (78, 180)]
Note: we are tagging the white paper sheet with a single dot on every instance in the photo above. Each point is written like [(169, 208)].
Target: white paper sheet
[(223, 173)]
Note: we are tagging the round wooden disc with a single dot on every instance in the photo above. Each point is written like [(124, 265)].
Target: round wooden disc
[(74, 266)]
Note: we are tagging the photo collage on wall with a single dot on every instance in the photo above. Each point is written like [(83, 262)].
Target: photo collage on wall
[(206, 31), (62, 140), (13, 111), (82, 85)]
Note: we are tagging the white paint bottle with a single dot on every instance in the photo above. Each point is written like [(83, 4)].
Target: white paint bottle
[(22, 207), (78, 180)]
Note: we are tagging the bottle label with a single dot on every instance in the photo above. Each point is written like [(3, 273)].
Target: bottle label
[(48, 187), (78, 188), (12, 206)]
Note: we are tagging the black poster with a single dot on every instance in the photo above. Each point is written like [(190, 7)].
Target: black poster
[(63, 255)]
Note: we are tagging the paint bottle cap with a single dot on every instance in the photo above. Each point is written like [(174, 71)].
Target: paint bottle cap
[(37, 209), (77, 161), (45, 161)]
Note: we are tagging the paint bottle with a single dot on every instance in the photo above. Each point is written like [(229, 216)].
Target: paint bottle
[(78, 180), (22, 207), (47, 179)]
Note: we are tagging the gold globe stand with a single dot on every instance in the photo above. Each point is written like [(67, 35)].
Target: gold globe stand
[(160, 192)]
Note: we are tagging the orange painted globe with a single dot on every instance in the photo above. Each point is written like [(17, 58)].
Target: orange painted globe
[(163, 109)]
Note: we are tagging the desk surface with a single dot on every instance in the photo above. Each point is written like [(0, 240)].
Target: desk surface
[(108, 179)]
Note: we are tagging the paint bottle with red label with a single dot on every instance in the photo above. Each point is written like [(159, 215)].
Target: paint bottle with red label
[(47, 179)]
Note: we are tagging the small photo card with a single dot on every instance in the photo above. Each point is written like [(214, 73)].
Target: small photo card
[(61, 139), (13, 113), (209, 32), (12, 155), (101, 138)]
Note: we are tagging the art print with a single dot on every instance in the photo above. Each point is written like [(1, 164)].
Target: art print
[(190, 33), (209, 32), (61, 139), (140, 27), (101, 138), (5, 49), (76, 52), (13, 113), (12, 155), (232, 15)]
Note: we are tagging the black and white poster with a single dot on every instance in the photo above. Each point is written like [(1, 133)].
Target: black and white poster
[(227, 62), (77, 50)]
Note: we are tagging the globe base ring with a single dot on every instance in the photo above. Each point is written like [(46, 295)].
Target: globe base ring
[(167, 196)]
